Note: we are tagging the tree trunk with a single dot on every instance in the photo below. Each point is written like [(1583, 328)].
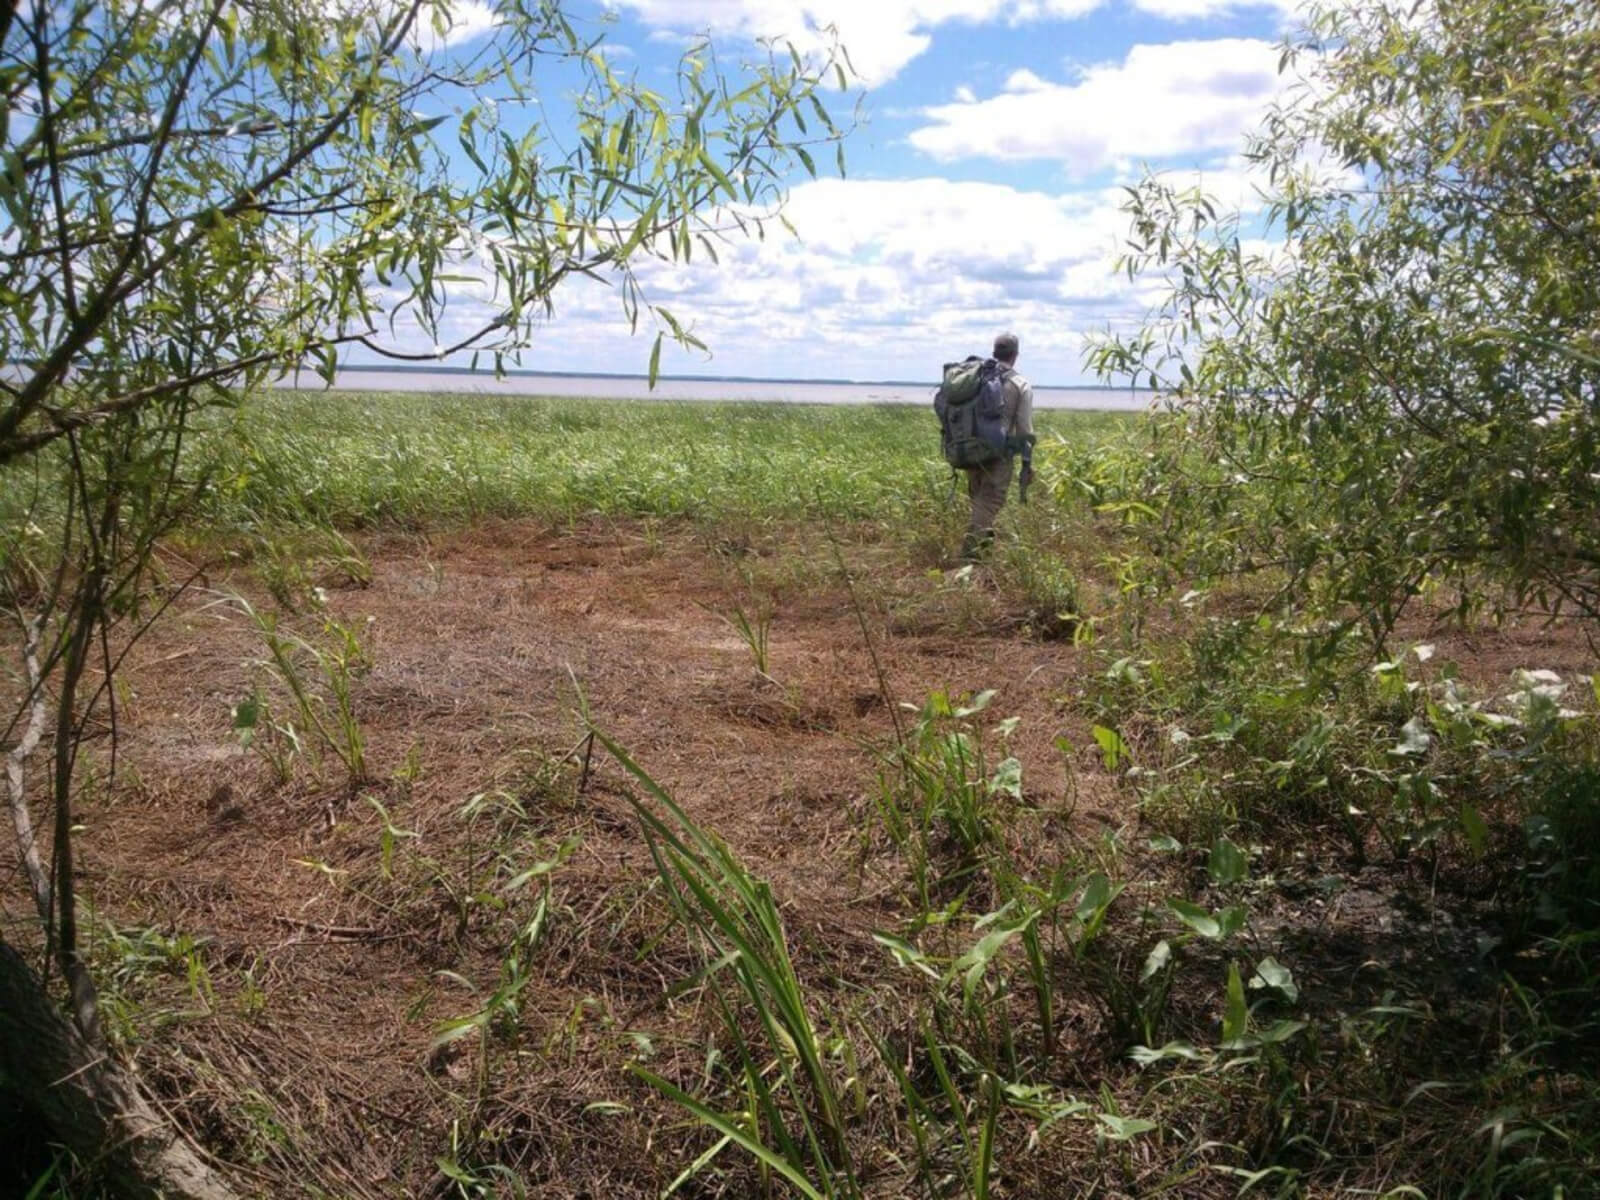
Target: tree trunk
[(87, 1101)]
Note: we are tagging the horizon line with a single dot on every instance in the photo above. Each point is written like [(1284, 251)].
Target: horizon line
[(421, 368)]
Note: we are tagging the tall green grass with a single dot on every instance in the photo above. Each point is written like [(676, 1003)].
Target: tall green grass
[(358, 459)]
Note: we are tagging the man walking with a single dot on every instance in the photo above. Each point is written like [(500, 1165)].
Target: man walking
[(986, 485)]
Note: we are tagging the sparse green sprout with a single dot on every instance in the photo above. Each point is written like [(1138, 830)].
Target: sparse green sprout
[(307, 669)]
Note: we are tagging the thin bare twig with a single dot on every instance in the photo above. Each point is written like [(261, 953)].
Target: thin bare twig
[(342, 932)]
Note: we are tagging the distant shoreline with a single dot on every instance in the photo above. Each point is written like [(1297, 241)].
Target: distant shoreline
[(687, 388), (533, 373)]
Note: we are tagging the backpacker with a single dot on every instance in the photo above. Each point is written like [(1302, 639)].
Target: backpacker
[(971, 406)]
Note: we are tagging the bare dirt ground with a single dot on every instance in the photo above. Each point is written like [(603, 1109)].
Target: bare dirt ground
[(476, 641), (308, 1058)]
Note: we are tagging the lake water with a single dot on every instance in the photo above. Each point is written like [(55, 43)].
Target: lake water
[(634, 387)]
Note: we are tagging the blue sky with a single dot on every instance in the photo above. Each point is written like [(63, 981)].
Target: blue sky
[(983, 187)]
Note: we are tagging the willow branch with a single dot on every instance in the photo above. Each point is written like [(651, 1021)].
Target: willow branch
[(38, 878)]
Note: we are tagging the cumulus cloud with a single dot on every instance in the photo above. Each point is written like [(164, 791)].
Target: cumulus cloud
[(1023, 80), (888, 279), (892, 277), (459, 22), (452, 23), (1189, 98), (1235, 184), (1201, 10), (882, 36)]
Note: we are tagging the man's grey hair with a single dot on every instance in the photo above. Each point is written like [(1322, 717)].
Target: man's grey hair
[(1006, 346)]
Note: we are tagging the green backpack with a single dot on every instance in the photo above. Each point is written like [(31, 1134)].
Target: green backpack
[(971, 407)]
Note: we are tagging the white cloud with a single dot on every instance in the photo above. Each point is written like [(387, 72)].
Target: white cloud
[(932, 222), (458, 22), (882, 36), (670, 37), (451, 23), (1188, 98), (1023, 80), (1201, 10), (1232, 182), (891, 277)]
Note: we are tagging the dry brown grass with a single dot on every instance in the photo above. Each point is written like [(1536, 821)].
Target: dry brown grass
[(307, 1060)]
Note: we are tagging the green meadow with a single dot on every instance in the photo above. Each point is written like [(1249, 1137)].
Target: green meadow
[(360, 460)]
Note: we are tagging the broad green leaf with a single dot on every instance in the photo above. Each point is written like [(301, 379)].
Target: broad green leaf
[(1156, 961), (1121, 1129), (718, 174), (540, 869), (1278, 1031), (454, 1031), (247, 712), (975, 962), (1476, 831), (1196, 918), (906, 954), (1145, 1056), (1231, 919), (1113, 750), (1270, 973), (731, 1129), (1097, 894), (1236, 1010), (976, 705), (1414, 739), (1227, 864), (450, 1169), (1007, 779)]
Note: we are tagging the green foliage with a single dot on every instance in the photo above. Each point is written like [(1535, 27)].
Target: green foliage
[(295, 566), (128, 962), (794, 1122), (941, 799), (801, 1093), (1046, 586), (1400, 393), (357, 460), (524, 893), (754, 627), (352, 153), (754, 633), (259, 729), (1250, 724), (319, 676)]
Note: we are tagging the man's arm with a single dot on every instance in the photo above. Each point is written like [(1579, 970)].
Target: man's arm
[(1024, 419), (1022, 426)]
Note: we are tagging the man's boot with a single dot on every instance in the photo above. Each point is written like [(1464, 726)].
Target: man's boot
[(976, 544)]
